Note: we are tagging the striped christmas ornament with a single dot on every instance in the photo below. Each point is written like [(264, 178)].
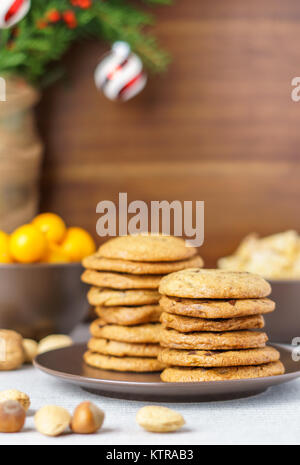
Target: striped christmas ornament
[(120, 74), (12, 11)]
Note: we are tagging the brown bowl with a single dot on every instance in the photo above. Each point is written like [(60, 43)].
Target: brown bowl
[(284, 324), (42, 299)]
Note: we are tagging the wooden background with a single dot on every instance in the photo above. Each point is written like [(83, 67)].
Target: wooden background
[(220, 126)]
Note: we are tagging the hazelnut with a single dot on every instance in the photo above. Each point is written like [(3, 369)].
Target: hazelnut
[(55, 341), (87, 418), (11, 350), (12, 417), (13, 394), (52, 420), (30, 349)]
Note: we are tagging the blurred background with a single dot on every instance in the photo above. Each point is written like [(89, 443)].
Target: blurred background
[(219, 126)]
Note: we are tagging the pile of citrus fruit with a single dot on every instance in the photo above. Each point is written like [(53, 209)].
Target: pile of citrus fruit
[(46, 240)]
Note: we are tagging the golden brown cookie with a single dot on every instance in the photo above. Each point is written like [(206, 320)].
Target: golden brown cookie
[(136, 364), (96, 262), (123, 349), (213, 341), (218, 358), (202, 308), (148, 333), (110, 297), (129, 316), (192, 375), (214, 284), (147, 248), (185, 324), (120, 281)]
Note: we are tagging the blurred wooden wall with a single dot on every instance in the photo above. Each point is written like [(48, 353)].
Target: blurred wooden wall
[(220, 126)]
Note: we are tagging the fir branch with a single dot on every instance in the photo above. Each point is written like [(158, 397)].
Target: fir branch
[(38, 40), (158, 2)]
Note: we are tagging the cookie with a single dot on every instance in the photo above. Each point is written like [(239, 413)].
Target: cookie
[(213, 341), (201, 308), (136, 364), (185, 324), (149, 333), (147, 248), (129, 316), (123, 349), (120, 281), (192, 375), (96, 262), (214, 284), (110, 297), (218, 358)]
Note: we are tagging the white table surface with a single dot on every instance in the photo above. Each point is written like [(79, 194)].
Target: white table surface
[(269, 418)]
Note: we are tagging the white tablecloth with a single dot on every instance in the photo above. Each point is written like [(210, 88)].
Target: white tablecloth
[(269, 418)]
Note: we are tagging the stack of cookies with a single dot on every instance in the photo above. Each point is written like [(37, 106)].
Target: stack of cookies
[(208, 321), (125, 274)]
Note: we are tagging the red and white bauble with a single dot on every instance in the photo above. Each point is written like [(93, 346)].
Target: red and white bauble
[(12, 11), (120, 74)]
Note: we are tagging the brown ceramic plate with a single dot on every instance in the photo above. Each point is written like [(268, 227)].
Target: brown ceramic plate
[(67, 364)]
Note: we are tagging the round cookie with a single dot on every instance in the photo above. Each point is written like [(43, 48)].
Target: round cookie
[(123, 349), (96, 262), (192, 375), (148, 333), (129, 316), (120, 281), (185, 324), (147, 248), (111, 297), (214, 284), (218, 358), (136, 364), (201, 308), (213, 341)]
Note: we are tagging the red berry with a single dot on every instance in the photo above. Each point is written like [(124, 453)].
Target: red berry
[(84, 4), (41, 24), (70, 19), (53, 16)]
